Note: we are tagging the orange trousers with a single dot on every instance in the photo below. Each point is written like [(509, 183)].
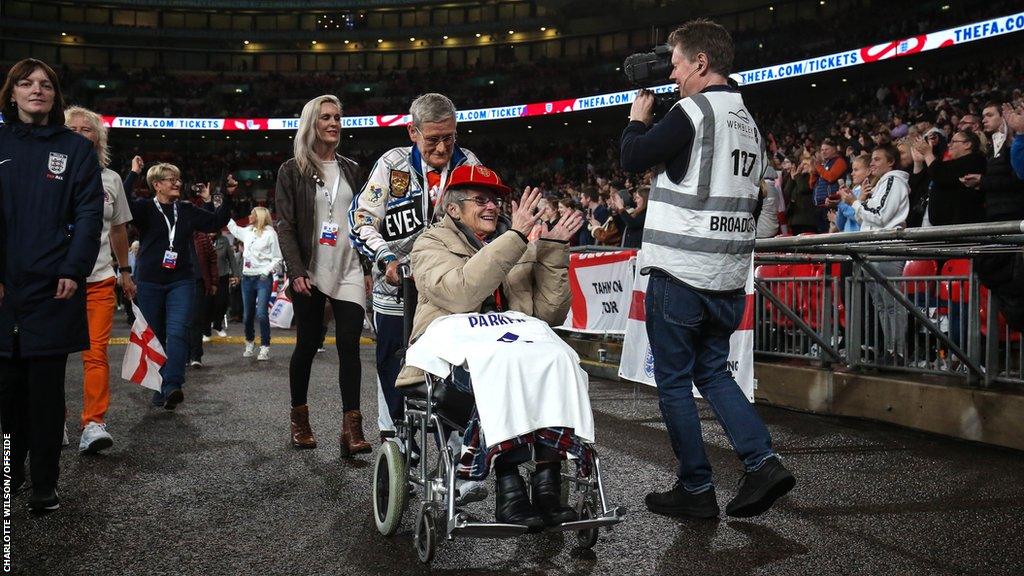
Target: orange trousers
[(99, 303)]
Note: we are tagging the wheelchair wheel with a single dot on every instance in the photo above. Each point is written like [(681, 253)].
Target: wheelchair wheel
[(587, 538), (390, 490), (425, 540)]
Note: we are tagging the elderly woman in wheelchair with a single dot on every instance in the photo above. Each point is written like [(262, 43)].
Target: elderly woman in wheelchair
[(483, 287)]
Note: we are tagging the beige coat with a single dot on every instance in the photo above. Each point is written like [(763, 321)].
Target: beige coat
[(453, 277)]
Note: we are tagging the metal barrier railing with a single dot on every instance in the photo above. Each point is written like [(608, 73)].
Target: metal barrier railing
[(851, 298)]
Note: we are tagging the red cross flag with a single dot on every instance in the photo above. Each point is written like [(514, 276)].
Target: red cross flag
[(144, 356)]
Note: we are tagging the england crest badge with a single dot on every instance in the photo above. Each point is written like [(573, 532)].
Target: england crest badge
[(58, 163)]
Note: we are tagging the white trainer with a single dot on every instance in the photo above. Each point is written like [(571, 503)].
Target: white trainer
[(95, 438), (264, 353), (222, 333), (250, 349), (66, 441)]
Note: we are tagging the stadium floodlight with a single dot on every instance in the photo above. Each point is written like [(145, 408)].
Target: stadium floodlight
[(367, 89), (445, 37), (491, 82), (543, 28), (102, 86), (63, 33), (477, 34), (412, 38), (246, 42), (379, 40), (511, 31), (313, 43)]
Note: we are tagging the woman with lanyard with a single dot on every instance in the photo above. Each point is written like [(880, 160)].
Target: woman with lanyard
[(51, 215), (314, 191), (164, 273)]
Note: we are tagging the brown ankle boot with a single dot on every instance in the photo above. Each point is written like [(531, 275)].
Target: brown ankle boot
[(302, 434), (352, 440)]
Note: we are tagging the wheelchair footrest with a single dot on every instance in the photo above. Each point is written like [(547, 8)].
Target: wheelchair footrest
[(487, 530), (608, 519)]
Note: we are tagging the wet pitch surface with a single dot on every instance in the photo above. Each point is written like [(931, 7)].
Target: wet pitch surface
[(214, 489)]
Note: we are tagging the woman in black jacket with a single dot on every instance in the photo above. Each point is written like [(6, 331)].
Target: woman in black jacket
[(949, 201), (632, 222), (51, 214), (164, 274)]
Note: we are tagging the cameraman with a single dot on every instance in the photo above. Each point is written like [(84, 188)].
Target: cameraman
[(698, 242)]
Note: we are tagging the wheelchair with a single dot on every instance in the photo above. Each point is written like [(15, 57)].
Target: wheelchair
[(403, 478)]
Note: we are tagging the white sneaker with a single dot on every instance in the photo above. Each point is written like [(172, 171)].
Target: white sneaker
[(195, 364), (206, 338), (250, 349), (66, 440), (222, 333), (95, 438), (264, 353)]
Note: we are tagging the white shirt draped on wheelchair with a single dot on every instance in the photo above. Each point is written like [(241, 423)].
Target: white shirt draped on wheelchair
[(524, 376)]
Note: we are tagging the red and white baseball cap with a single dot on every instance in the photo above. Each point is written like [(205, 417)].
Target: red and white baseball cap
[(477, 177)]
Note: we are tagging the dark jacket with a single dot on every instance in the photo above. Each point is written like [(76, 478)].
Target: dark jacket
[(51, 215), (633, 228), (800, 210), (1004, 192), (949, 201), (153, 241), (227, 264), (206, 261), (296, 208)]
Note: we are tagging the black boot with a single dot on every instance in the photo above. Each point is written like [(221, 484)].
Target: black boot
[(512, 506), (547, 494)]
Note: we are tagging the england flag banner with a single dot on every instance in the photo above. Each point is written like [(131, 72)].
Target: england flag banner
[(600, 285), (144, 356), (637, 362)]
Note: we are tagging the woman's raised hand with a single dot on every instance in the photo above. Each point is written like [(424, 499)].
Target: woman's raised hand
[(566, 227), (524, 212)]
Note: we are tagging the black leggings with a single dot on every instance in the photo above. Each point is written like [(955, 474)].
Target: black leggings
[(32, 412), (309, 324)]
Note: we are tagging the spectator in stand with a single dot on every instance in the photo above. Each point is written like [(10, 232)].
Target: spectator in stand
[(1004, 201), (1015, 120), (885, 206), (206, 274), (899, 127), (632, 220), (99, 287), (972, 123), (949, 201), (261, 259), (51, 217), (767, 212), (165, 275), (829, 169), (801, 213), (920, 180), (608, 233), (860, 176), (593, 209)]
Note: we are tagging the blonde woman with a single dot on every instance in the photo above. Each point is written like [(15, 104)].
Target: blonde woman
[(314, 191), (100, 299), (261, 257)]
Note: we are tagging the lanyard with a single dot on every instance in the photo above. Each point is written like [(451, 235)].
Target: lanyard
[(170, 228), (332, 195)]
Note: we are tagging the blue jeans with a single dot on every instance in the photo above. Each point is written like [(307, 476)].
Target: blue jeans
[(168, 309), (390, 346), (689, 334), (256, 302)]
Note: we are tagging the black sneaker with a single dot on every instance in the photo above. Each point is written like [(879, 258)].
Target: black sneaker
[(43, 500), (759, 490), (174, 397), (679, 503)]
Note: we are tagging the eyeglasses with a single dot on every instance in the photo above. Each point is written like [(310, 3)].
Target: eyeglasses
[(433, 141), (483, 201)]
